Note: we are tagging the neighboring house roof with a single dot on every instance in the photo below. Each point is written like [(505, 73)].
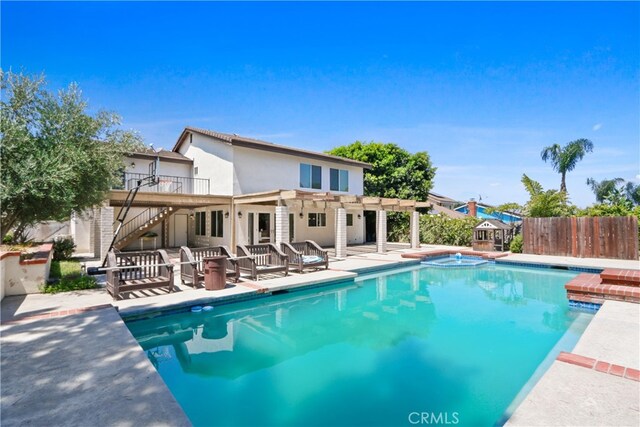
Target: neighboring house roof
[(165, 155), (464, 208), (440, 198), (241, 141), (494, 223), (437, 209)]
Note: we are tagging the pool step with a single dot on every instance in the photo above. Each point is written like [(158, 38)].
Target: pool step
[(611, 284)]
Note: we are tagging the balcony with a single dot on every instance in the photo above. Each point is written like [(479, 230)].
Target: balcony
[(166, 184)]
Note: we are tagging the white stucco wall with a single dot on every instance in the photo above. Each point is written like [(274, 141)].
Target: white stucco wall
[(259, 170), (213, 160), (138, 165), (207, 239)]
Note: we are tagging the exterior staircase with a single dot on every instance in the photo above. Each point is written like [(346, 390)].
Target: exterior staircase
[(610, 284), (140, 224)]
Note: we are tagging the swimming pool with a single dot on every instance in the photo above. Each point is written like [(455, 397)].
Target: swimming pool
[(458, 344)]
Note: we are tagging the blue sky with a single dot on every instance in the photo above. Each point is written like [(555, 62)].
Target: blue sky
[(482, 87)]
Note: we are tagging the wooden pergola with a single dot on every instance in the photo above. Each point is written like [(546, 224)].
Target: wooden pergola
[(285, 199)]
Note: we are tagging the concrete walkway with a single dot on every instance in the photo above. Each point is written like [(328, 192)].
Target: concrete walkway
[(81, 370), (570, 394)]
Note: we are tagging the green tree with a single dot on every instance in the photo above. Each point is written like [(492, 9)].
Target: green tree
[(564, 159), (56, 158), (633, 192), (601, 189), (545, 203), (395, 173)]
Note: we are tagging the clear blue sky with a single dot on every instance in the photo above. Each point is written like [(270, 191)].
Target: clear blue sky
[(482, 87)]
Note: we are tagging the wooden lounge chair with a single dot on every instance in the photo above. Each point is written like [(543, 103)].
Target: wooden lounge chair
[(307, 254), (133, 271), (192, 263), (256, 260)]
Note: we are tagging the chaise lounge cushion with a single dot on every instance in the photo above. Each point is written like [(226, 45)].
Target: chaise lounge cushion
[(311, 259)]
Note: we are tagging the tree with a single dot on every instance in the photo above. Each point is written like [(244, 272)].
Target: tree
[(545, 203), (395, 173), (56, 158), (602, 188), (564, 159), (633, 192)]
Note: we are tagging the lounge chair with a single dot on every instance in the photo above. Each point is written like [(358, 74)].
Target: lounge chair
[(132, 271), (256, 260), (192, 263), (307, 254)]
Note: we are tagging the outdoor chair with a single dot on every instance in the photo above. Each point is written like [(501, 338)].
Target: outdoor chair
[(256, 260), (133, 271), (307, 254)]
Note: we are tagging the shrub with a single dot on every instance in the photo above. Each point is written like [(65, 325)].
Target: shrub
[(71, 284), (63, 248), (442, 230), (7, 239), (516, 244)]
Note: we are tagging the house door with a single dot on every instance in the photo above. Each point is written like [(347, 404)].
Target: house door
[(250, 226), (180, 230), (370, 226), (291, 228), (264, 227)]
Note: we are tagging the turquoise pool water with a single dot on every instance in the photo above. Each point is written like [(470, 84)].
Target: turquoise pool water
[(458, 344)]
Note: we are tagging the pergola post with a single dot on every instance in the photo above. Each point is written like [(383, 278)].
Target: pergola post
[(415, 230), (381, 231), (282, 225), (341, 233)]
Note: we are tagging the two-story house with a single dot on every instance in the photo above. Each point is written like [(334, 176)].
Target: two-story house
[(216, 188)]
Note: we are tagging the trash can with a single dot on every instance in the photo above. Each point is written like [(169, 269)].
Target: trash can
[(215, 273)]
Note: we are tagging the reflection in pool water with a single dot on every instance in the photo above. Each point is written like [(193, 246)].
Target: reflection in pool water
[(368, 352)]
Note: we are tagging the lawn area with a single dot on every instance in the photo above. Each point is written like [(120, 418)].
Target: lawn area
[(69, 278)]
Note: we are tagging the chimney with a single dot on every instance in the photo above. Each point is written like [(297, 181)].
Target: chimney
[(473, 209)]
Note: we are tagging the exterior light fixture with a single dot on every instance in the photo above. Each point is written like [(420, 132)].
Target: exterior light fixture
[(239, 214), (359, 216), (226, 214), (301, 215)]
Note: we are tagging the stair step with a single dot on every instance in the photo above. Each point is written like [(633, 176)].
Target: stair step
[(589, 287), (614, 276)]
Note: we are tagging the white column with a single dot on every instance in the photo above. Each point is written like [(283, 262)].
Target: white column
[(282, 225), (381, 231), (106, 229), (415, 230), (341, 233)]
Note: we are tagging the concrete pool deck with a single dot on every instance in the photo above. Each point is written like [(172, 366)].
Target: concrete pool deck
[(59, 352)]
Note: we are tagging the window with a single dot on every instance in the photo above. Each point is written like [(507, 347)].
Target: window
[(201, 223), (317, 220), (338, 180), (310, 176), (349, 220), (216, 224)]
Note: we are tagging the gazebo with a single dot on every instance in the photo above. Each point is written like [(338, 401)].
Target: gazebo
[(492, 235)]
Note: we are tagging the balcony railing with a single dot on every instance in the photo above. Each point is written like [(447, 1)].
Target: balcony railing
[(166, 184)]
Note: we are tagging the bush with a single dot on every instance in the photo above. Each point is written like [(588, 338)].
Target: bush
[(7, 239), (516, 244), (71, 284), (442, 230), (63, 248)]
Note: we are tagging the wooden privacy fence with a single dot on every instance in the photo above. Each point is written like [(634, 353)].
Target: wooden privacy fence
[(583, 237)]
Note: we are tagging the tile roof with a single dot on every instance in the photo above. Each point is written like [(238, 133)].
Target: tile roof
[(257, 144)]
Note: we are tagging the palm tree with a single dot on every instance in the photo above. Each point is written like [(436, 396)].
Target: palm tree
[(564, 159), (602, 188)]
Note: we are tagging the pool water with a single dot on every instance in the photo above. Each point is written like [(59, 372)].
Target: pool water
[(458, 344), (453, 261)]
